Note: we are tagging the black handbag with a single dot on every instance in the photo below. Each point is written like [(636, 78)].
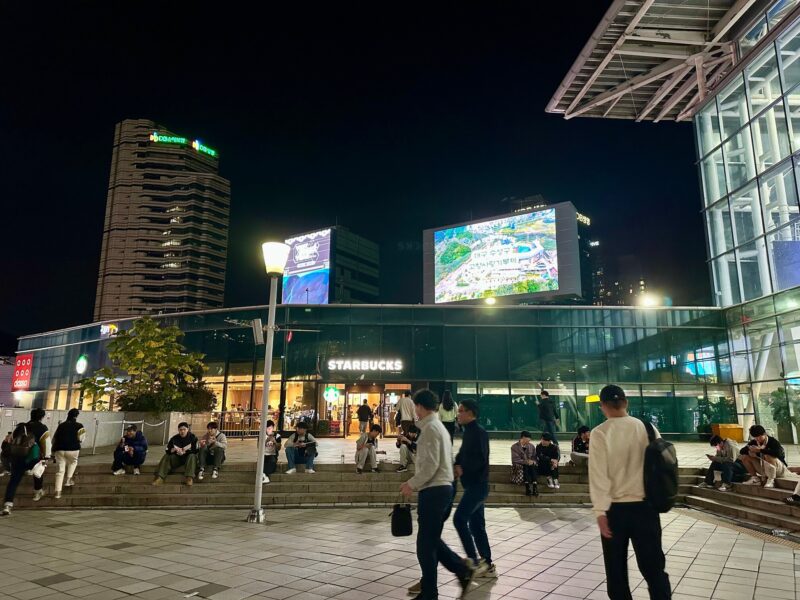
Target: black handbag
[(401, 520)]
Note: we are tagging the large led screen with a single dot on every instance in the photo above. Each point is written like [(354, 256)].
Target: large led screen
[(502, 257), (306, 278)]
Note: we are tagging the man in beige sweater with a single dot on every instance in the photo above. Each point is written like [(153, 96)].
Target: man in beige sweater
[(616, 486), (433, 479)]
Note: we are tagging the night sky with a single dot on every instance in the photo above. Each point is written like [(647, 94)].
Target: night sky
[(388, 117)]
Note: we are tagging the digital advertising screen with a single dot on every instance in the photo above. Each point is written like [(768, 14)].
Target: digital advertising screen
[(508, 256), (306, 279)]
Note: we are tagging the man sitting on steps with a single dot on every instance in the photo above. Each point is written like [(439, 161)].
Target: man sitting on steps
[(367, 450), (301, 446), (408, 447), (726, 462), (764, 458), (130, 452), (212, 450), (181, 452)]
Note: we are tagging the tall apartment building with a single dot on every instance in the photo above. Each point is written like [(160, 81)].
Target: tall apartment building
[(165, 237)]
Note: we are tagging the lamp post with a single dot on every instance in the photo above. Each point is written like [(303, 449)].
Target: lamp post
[(275, 257), (80, 368)]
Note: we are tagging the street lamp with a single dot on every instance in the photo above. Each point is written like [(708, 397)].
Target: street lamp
[(275, 256), (80, 368)]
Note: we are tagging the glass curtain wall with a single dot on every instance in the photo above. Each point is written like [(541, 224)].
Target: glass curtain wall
[(748, 137)]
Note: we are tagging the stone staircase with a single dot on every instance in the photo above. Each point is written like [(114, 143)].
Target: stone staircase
[(750, 505), (331, 485)]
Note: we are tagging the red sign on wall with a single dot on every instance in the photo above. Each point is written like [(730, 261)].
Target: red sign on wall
[(22, 373)]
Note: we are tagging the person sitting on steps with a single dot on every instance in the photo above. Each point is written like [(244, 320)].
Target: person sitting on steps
[(724, 461), (367, 450), (523, 464), (181, 451), (130, 452), (212, 450), (408, 447), (579, 456), (547, 457), (301, 446), (272, 446), (764, 458)]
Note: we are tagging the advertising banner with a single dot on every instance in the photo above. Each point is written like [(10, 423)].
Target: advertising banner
[(306, 278), (21, 382)]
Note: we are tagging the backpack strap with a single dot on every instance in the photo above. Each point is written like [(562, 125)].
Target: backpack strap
[(651, 432)]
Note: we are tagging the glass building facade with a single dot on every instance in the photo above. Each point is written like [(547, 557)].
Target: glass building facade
[(748, 141), (674, 363)]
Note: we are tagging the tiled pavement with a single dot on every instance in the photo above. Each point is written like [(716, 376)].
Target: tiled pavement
[(314, 554)]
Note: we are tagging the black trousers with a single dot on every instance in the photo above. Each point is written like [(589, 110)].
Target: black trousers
[(546, 468), (530, 474), (639, 523), (18, 468), (270, 464)]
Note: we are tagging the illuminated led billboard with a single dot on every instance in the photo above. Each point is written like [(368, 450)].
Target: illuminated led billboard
[(526, 255), (306, 279)]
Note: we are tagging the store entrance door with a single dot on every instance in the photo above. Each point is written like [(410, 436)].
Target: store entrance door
[(356, 395)]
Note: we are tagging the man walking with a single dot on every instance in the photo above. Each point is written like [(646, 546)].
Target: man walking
[(547, 415), (406, 412), (472, 467), (616, 486), (30, 444), (364, 417), (433, 480)]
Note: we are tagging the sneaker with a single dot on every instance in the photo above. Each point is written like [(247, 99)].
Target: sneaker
[(3, 473), (402, 468), (358, 470), (555, 484), (214, 474), (7, 509), (703, 485), (550, 482), (491, 572), (465, 579), (415, 589), (723, 488), (794, 500), (57, 495), (770, 483), (136, 471), (189, 481), (481, 568), (157, 481), (375, 470), (200, 475), (291, 471), (38, 495), (264, 479), (69, 483), (754, 480), (310, 471), (119, 472)]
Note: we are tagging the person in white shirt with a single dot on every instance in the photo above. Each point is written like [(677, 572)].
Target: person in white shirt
[(616, 486), (406, 412), (433, 479)]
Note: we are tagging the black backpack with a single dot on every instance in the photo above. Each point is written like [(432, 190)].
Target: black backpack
[(21, 444), (660, 472)]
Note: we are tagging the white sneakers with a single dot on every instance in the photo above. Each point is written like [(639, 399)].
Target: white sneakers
[(550, 483), (58, 496), (69, 483), (291, 471), (214, 474), (7, 508), (200, 475), (119, 472), (754, 480), (264, 478), (310, 471), (770, 483), (136, 471), (38, 495), (723, 488)]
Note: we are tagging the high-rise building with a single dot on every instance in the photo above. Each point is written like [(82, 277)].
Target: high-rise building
[(165, 237)]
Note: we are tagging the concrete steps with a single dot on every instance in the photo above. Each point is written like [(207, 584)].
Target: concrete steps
[(336, 485)]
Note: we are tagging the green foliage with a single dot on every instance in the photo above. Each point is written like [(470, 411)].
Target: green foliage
[(454, 252), (780, 401), (157, 373)]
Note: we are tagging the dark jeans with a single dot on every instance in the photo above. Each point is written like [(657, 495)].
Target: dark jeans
[(206, 456), (433, 509), (550, 427), (545, 467), (122, 458), (470, 523), (270, 464), (18, 468), (451, 428), (530, 474), (638, 523), (731, 472)]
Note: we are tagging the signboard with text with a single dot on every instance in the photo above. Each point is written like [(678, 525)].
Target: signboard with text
[(306, 278), (21, 382)]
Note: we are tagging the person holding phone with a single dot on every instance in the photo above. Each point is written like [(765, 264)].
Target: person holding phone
[(130, 452), (367, 450), (726, 461)]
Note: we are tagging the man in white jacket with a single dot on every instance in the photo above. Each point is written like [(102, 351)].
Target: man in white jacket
[(433, 479), (616, 486)]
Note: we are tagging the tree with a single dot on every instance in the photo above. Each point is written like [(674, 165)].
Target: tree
[(158, 374)]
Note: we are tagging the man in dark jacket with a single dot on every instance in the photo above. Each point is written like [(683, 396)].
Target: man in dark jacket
[(547, 415), (364, 417), (131, 451), (547, 457), (41, 450), (472, 467), (763, 457), (181, 451)]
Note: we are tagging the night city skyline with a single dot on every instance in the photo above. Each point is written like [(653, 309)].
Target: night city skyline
[(392, 122)]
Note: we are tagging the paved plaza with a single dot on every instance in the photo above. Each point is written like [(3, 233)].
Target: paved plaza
[(313, 554)]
